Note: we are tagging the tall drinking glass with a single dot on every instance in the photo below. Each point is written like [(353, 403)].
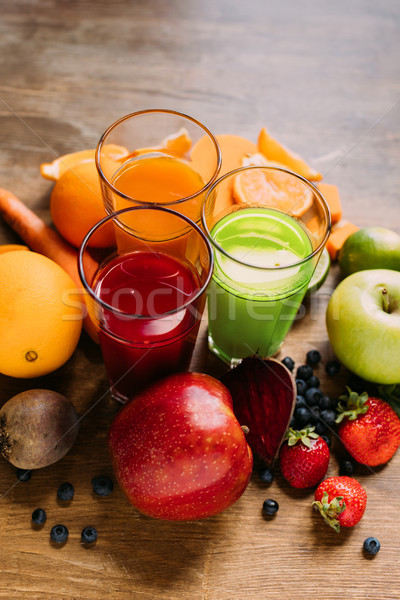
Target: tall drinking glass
[(170, 160), (268, 227), (146, 296)]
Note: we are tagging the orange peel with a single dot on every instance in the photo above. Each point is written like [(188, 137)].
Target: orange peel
[(56, 169), (277, 152)]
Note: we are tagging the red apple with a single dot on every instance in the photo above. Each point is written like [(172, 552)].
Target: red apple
[(178, 451)]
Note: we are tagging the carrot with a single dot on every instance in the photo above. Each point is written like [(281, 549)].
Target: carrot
[(338, 237), (331, 194), (44, 240)]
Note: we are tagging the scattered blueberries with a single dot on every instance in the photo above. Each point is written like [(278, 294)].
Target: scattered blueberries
[(313, 382), (65, 491), (346, 467), (266, 474), (327, 439), (270, 507), (313, 396), (301, 386), (59, 534), (302, 417), (313, 358), (371, 545), (326, 403), (332, 367), (304, 372), (24, 475), (88, 535), (288, 362), (39, 516), (321, 428), (315, 413), (300, 401), (102, 486), (329, 417)]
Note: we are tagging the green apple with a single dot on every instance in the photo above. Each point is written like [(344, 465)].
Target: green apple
[(370, 248), (363, 322)]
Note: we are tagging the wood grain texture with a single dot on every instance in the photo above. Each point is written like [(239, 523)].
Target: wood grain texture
[(324, 78)]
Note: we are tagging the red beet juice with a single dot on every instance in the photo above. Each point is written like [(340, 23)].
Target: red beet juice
[(152, 330)]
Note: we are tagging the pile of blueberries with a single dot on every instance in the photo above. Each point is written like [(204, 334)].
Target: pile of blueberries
[(102, 486), (313, 407)]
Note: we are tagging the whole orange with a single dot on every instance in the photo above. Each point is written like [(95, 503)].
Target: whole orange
[(40, 317), (76, 205)]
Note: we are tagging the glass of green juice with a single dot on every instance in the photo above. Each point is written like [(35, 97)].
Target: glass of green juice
[(268, 227)]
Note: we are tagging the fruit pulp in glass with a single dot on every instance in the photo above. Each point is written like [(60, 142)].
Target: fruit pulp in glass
[(251, 309), (157, 341)]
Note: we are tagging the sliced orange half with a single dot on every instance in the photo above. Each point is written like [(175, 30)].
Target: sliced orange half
[(177, 144), (275, 151), (60, 165), (273, 190)]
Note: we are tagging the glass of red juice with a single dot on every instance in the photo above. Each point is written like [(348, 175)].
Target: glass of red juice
[(145, 293)]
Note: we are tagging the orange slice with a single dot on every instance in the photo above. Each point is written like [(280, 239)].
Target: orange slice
[(60, 165), (177, 144), (259, 160), (273, 190), (11, 248), (275, 151)]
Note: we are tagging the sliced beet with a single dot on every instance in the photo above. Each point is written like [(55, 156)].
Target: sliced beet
[(264, 396)]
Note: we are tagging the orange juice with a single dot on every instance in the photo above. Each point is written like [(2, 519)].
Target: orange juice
[(160, 179)]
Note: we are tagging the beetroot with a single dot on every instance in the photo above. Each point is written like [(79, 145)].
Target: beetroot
[(264, 395)]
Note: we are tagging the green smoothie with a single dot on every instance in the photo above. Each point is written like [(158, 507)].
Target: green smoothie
[(256, 291)]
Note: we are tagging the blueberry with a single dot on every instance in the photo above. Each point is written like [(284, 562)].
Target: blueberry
[(301, 387), (346, 467), (39, 516), (315, 413), (327, 439), (266, 475), (24, 475), (371, 545), (293, 423), (102, 486), (320, 428), (304, 372), (326, 403), (332, 367), (300, 401), (302, 416), (288, 362), (329, 416), (313, 396), (313, 358), (65, 491), (88, 535), (270, 507), (59, 534), (313, 382)]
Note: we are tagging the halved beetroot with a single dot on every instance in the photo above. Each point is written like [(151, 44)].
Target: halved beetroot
[(264, 395)]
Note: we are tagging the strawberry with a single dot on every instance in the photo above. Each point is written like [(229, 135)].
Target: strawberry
[(369, 428), (304, 458), (341, 501)]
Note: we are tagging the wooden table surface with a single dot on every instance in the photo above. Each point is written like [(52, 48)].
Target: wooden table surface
[(324, 78)]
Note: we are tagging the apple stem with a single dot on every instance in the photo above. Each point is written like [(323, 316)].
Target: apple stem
[(246, 430), (385, 299)]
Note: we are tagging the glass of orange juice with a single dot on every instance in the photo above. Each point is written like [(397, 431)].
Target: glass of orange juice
[(170, 159)]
